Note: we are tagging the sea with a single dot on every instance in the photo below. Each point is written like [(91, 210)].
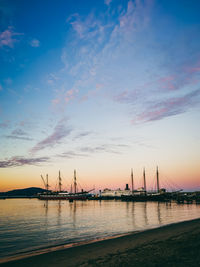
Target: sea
[(29, 225)]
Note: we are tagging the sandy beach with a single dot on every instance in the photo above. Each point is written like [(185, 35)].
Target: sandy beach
[(172, 245)]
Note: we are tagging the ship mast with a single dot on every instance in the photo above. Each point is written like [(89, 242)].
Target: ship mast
[(157, 176), (132, 180), (75, 184), (60, 182), (47, 184), (144, 176)]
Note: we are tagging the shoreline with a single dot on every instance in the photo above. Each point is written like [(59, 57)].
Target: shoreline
[(155, 244), (46, 250)]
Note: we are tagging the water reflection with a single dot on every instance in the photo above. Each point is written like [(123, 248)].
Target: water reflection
[(61, 222), (59, 212), (127, 209), (72, 206), (158, 212), (46, 206), (133, 214), (145, 213)]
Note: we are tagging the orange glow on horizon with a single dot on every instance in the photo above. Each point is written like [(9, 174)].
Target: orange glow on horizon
[(113, 179)]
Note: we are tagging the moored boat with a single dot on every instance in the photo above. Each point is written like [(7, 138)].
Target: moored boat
[(64, 195)]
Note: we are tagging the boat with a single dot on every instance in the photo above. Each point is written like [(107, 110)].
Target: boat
[(63, 195), (142, 195)]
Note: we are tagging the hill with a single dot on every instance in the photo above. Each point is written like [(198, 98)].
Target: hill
[(26, 192)]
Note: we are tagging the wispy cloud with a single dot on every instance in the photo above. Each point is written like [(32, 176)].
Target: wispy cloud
[(97, 42), (86, 151), (107, 2), (135, 17), (164, 96), (72, 154), (8, 37), (64, 96), (21, 161), (61, 130), (85, 27), (19, 134), (82, 134), (52, 78), (4, 124), (169, 107), (181, 77), (19, 137), (93, 52), (109, 148), (129, 97), (35, 43), (120, 50), (70, 94), (55, 101)]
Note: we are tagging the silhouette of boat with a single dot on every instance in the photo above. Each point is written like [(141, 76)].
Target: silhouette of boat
[(63, 195)]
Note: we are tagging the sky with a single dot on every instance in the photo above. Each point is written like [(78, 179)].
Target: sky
[(101, 87)]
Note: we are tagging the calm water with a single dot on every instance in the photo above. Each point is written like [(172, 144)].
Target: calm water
[(28, 224)]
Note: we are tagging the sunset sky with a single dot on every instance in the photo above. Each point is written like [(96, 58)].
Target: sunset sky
[(100, 87)]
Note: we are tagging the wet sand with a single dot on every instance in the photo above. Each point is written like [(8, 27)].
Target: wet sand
[(172, 245)]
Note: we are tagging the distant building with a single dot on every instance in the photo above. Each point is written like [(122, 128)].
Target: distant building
[(115, 193), (119, 192)]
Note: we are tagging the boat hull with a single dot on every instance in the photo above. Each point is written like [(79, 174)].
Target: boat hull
[(60, 197)]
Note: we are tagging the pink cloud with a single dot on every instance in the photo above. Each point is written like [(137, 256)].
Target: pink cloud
[(60, 131), (4, 124), (152, 115), (7, 38), (184, 75), (70, 94), (167, 82), (192, 69), (55, 101), (169, 107), (21, 161), (197, 69), (92, 93)]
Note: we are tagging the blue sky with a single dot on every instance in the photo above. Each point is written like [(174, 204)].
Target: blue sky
[(87, 83)]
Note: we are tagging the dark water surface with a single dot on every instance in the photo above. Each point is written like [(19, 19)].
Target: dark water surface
[(28, 224)]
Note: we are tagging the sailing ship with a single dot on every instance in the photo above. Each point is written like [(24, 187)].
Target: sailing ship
[(63, 195), (142, 195)]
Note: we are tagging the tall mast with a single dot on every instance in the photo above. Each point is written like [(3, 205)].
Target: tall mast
[(47, 184), (144, 176), (75, 184), (60, 182), (157, 175), (132, 180)]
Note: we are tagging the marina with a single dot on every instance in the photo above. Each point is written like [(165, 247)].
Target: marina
[(126, 194)]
